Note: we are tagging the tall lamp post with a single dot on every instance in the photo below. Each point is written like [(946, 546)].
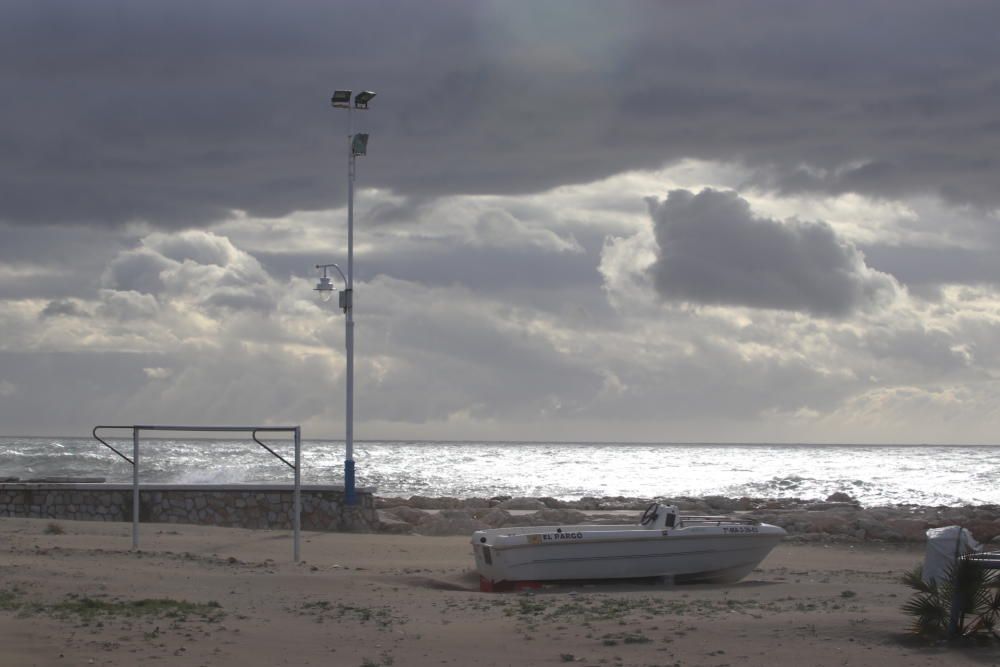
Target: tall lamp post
[(357, 144)]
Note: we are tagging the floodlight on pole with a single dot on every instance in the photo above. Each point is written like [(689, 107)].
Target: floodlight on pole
[(362, 99), (357, 144), (341, 99)]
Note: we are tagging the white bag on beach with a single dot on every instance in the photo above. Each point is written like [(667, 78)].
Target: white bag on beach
[(944, 546)]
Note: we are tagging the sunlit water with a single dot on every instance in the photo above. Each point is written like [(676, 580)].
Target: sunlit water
[(927, 475)]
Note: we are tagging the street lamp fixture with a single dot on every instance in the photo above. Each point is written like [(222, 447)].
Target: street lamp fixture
[(324, 288), (357, 144)]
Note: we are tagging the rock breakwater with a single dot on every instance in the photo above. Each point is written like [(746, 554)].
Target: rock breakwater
[(836, 518)]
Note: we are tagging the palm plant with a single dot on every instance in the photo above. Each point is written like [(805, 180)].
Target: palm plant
[(965, 602)]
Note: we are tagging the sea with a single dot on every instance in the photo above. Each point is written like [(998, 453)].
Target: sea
[(951, 475)]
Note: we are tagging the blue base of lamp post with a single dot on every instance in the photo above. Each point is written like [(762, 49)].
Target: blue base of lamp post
[(350, 496)]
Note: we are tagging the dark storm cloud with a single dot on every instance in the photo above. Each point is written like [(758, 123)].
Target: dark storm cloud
[(179, 112), (54, 262), (713, 250), (920, 266), (62, 307), (390, 213)]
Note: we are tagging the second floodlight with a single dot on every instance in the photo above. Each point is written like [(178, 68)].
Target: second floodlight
[(362, 99)]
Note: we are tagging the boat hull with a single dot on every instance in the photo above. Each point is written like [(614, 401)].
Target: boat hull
[(703, 554)]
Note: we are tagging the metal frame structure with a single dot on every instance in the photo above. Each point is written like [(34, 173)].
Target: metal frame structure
[(253, 430)]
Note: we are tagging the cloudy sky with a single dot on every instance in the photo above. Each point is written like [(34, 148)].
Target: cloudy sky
[(711, 221)]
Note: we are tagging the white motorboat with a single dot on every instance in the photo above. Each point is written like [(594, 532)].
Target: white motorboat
[(689, 549)]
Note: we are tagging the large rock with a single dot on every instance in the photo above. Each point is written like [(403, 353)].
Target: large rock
[(827, 523), (522, 504), (909, 530), (450, 522), (494, 517), (408, 514), (983, 530), (822, 507), (838, 517), (722, 503), (875, 529), (425, 503), (623, 503), (381, 502)]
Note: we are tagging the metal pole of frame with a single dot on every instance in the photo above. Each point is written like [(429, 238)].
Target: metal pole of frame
[(135, 488), (297, 498)]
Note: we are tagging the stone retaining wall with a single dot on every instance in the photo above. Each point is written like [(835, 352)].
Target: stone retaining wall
[(236, 505)]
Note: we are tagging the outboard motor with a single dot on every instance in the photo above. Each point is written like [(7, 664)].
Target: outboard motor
[(659, 517)]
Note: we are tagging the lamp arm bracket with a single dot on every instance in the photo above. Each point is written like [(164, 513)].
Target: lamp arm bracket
[(327, 266)]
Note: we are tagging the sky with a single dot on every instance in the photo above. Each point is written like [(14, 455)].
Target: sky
[(584, 221)]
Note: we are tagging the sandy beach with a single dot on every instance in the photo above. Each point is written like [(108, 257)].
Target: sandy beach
[(199, 595)]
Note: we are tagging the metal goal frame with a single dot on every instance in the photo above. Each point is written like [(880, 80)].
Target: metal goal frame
[(137, 429)]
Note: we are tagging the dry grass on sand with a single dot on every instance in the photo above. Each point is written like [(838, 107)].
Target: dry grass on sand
[(217, 596)]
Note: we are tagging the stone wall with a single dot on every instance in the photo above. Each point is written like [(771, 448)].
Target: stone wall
[(236, 505)]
